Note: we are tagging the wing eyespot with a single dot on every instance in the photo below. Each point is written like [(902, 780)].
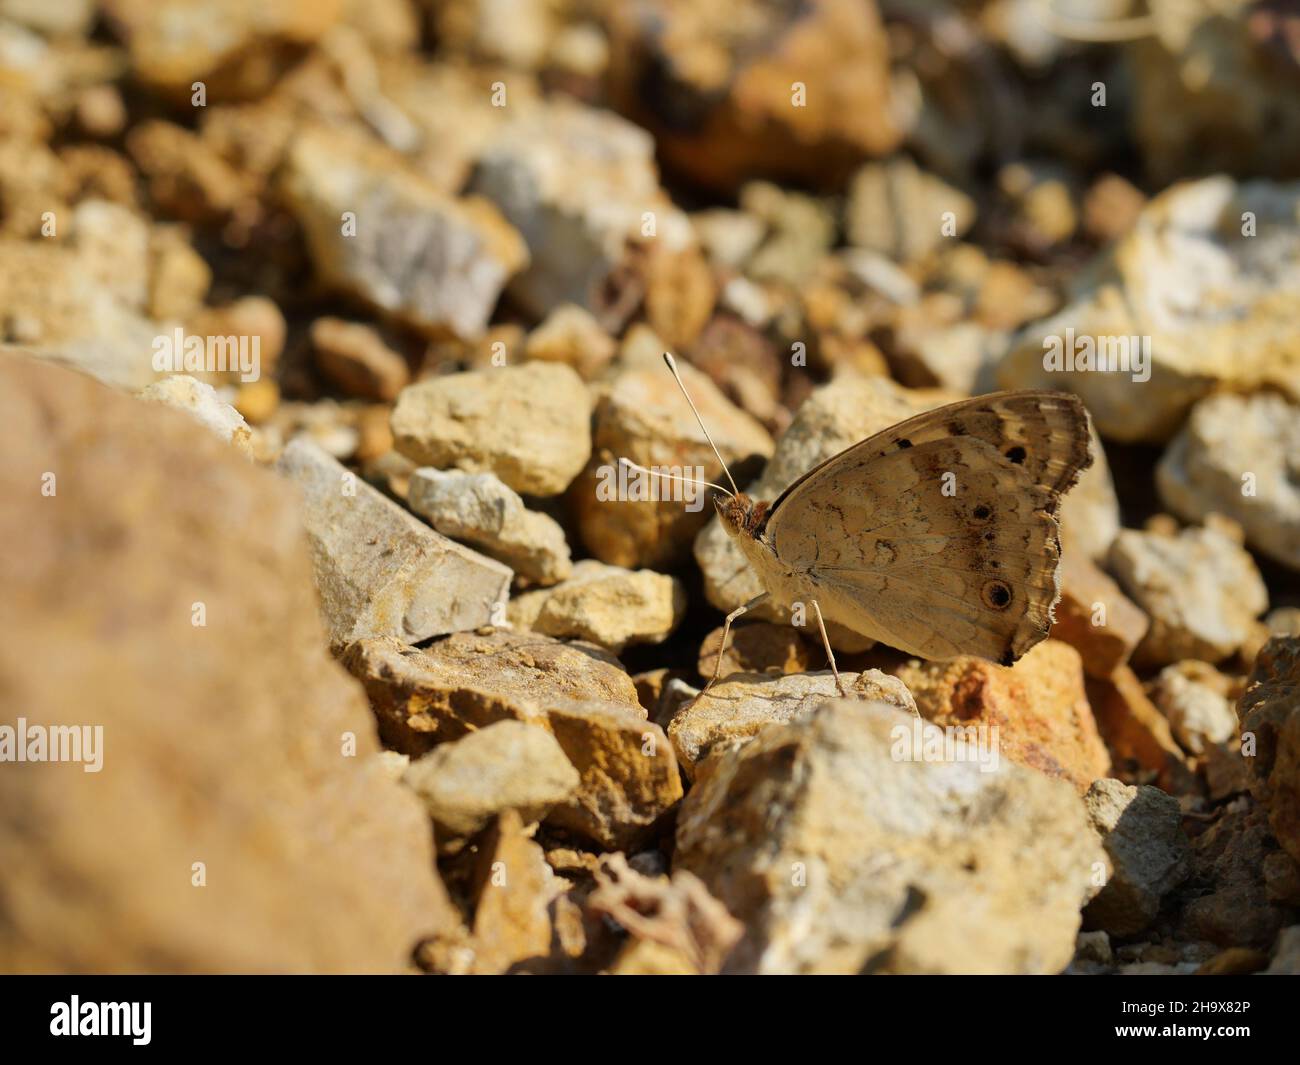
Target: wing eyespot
[(1015, 454), (996, 595)]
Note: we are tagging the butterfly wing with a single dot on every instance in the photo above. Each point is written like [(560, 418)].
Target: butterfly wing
[(939, 536)]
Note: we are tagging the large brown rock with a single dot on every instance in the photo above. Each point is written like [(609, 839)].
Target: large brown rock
[(1269, 711), (226, 743)]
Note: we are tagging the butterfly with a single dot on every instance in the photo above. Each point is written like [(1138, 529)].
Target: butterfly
[(938, 536)]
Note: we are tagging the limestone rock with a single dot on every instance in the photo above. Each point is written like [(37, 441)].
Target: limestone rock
[(1201, 591), (632, 519), (1211, 301), (468, 681), (1269, 710), (203, 404), (355, 360), (508, 765), (436, 263), (1240, 456), (1286, 953), (579, 183), (1137, 735), (898, 210), (571, 334), (759, 647), (1095, 618), (1193, 698), (705, 78), (381, 571), (208, 756), (478, 509), (528, 424), (1038, 706), (834, 417), (839, 858), (1146, 851), (739, 708), (512, 921), (605, 605), (1090, 510)]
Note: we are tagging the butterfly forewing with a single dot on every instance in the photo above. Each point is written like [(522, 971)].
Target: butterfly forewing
[(939, 535)]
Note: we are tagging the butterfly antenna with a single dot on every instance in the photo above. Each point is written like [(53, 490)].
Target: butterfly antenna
[(672, 476), (672, 365)]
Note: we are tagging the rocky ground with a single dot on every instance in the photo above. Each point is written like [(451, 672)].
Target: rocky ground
[(394, 675)]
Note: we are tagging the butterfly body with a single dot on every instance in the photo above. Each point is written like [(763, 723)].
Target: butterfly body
[(938, 536)]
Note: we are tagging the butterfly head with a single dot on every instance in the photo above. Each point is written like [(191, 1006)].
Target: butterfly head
[(740, 515)]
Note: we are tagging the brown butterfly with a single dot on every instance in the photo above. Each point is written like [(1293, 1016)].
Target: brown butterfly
[(938, 536)]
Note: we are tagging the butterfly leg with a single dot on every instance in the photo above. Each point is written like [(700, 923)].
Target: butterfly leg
[(726, 629), (821, 625)]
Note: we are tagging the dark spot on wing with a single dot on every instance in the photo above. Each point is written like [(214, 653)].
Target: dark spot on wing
[(1016, 454), (903, 443), (996, 595), (983, 512)]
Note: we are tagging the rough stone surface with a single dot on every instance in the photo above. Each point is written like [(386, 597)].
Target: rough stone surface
[(203, 404), (1095, 618), (508, 765), (759, 647), (512, 919), (898, 210), (354, 359), (1216, 304), (529, 425), (1137, 735), (1038, 706), (605, 605), (1240, 456), (570, 334), (1193, 698), (834, 417), (839, 858), (644, 418), (578, 183), (478, 509), (381, 571), (739, 708), (1200, 589), (1269, 709), (201, 763), (1090, 510), (436, 263), (1146, 854), (469, 681)]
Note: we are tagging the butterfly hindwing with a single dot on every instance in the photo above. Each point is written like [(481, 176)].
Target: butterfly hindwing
[(939, 535)]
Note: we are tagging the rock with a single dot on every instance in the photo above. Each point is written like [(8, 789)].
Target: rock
[(379, 230), (380, 571), (837, 857), (1095, 618), (1286, 953), (631, 519), (1226, 770), (1269, 710), (1284, 621), (832, 418), (468, 681), (759, 647), (1201, 591), (898, 210), (1093, 947), (480, 510), (1136, 733), (741, 707), (1229, 905), (179, 276), (507, 765), (572, 335), (800, 232), (512, 921), (201, 402), (1038, 706), (1110, 208), (1235, 961), (629, 778), (729, 237), (1184, 303), (1147, 854), (605, 605), (678, 914), (580, 184), (741, 88), (1192, 696), (172, 43), (1238, 456), (529, 425), (680, 296), (356, 361), (256, 322), (186, 177), (1090, 510), (210, 767)]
